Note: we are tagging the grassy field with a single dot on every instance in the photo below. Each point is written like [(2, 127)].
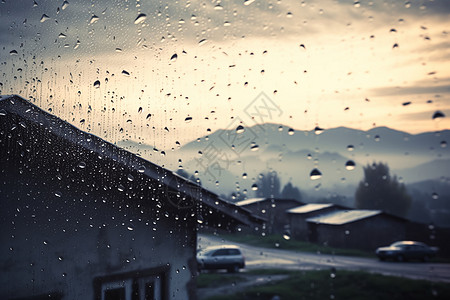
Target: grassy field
[(348, 285), (278, 242)]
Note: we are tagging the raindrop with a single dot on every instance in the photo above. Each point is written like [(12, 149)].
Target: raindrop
[(64, 5), (130, 177), (291, 131), (174, 58), (2, 112), (62, 36), (350, 147), (289, 15), (254, 148), (97, 84), (58, 194), (218, 7), (188, 119), (60, 258), (124, 72), (202, 42), (287, 236), (121, 188), (395, 46), (356, 4), (82, 165), (13, 52), (140, 110), (254, 187), (244, 175), (315, 174), (93, 19), (377, 138), (318, 130), (443, 144), (407, 4), (350, 165), (248, 2), (240, 129), (406, 103), (140, 18), (141, 169), (280, 128), (435, 196), (438, 114), (130, 228), (44, 18)]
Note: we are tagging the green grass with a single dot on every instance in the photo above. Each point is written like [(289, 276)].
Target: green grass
[(278, 242), (348, 285), (217, 279)]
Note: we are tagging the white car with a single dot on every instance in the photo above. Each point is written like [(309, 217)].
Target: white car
[(227, 257)]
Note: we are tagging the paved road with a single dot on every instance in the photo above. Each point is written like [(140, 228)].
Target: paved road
[(257, 258)]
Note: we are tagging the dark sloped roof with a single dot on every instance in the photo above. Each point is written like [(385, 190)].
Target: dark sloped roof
[(25, 110), (344, 216)]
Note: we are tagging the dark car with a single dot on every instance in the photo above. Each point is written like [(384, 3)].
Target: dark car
[(406, 250), (227, 257)]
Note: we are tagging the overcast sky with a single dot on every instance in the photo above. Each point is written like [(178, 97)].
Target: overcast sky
[(319, 63)]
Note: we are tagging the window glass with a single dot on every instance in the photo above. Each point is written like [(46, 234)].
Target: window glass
[(316, 121)]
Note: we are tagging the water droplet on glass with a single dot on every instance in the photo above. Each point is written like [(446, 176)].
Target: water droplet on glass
[(254, 148), (287, 236), (64, 5), (124, 72), (291, 131), (121, 188), (62, 36), (438, 114), (140, 18), (93, 19), (377, 138), (44, 18), (315, 174), (2, 112), (350, 165), (244, 175), (174, 58), (350, 147), (58, 194), (130, 177), (318, 130), (254, 187), (240, 129), (141, 169), (218, 7), (435, 196), (248, 2), (60, 258), (97, 84), (82, 165), (13, 52), (357, 4), (443, 144), (202, 42), (188, 119)]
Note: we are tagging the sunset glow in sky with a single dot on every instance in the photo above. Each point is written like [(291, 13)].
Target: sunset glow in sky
[(326, 63)]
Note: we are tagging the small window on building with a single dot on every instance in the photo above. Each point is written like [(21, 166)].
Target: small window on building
[(132, 286)]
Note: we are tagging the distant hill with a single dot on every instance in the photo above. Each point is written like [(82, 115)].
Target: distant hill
[(231, 160)]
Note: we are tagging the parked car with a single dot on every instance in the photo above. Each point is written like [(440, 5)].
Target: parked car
[(227, 257), (406, 250)]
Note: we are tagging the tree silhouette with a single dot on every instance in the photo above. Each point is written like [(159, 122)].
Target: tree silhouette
[(378, 190), (291, 192), (268, 185)]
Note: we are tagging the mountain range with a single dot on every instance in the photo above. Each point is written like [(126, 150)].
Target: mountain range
[(231, 160)]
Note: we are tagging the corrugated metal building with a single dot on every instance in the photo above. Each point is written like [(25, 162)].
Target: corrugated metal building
[(272, 210), (357, 229), (297, 217)]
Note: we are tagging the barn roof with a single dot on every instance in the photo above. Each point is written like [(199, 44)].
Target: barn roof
[(343, 217), (26, 111), (307, 208)]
